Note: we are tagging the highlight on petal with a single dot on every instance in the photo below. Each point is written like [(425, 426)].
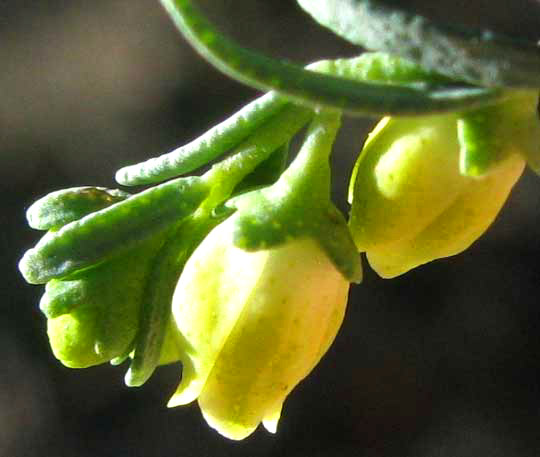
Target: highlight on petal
[(456, 228), (410, 202), (271, 420)]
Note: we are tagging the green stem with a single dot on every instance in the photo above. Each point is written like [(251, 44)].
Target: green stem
[(316, 89), (310, 174)]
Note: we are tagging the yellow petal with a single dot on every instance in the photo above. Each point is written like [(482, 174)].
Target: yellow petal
[(270, 421), (285, 327), (456, 228), (407, 174), (206, 304)]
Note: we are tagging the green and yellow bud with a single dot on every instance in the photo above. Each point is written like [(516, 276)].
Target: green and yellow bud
[(254, 324), (94, 317), (73, 337), (411, 204)]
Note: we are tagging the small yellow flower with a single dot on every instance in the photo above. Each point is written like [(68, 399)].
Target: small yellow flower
[(411, 204), (254, 324)]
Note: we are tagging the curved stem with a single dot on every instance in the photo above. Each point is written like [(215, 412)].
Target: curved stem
[(316, 89), (309, 174)]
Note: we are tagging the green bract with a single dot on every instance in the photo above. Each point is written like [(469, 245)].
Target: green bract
[(299, 205), (411, 204), (254, 324)]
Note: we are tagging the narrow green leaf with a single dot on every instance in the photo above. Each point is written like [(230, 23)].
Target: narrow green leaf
[(104, 233), (213, 144), (61, 207), (316, 89)]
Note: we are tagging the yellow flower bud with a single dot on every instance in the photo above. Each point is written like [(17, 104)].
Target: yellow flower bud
[(411, 205), (254, 324)]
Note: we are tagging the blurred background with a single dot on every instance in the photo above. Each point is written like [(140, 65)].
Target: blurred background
[(441, 362)]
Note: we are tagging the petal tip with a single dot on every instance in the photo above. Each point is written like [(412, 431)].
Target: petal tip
[(228, 429), (270, 421)]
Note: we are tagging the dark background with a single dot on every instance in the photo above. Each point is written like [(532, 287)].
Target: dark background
[(441, 362)]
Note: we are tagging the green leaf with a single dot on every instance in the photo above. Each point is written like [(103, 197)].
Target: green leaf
[(67, 205), (315, 89), (211, 145), (100, 235), (473, 55)]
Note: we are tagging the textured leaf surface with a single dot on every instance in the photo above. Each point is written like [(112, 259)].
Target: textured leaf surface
[(473, 55), (100, 235)]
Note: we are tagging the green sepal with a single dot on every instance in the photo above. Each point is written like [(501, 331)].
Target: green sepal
[(171, 349), (298, 205), (103, 234), (173, 345), (120, 320), (72, 338), (155, 314), (488, 135), (481, 145), (263, 223), (61, 207)]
